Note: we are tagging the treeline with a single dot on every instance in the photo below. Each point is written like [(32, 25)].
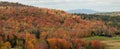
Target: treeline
[(2, 3), (29, 41)]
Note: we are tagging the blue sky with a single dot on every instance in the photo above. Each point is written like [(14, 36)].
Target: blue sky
[(98, 5)]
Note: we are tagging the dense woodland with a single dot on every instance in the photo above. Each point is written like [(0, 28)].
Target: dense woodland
[(112, 22), (27, 27)]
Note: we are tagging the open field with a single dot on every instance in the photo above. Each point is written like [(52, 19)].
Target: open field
[(111, 43)]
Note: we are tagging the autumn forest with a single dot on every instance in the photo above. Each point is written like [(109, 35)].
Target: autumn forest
[(28, 27)]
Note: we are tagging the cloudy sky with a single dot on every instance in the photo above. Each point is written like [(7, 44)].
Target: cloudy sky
[(98, 5)]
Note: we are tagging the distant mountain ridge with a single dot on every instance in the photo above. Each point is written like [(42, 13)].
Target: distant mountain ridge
[(83, 11)]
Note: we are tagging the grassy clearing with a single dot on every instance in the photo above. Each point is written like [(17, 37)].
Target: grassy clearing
[(110, 42)]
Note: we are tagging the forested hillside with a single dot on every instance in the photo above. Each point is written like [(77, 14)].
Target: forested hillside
[(27, 27), (112, 22)]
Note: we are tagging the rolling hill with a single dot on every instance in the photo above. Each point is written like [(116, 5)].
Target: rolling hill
[(28, 27)]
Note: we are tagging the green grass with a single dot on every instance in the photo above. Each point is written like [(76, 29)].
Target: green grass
[(101, 38)]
